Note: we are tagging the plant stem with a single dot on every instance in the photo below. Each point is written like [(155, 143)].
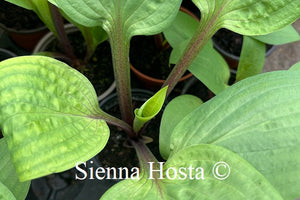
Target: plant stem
[(120, 55), (61, 33), (146, 158), (118, 123), (203, 33)]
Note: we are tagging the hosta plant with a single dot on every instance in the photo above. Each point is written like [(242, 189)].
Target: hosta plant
[(242, 144)]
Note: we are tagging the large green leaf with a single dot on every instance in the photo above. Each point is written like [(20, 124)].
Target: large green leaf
[(257, 118), (10, 186), (285, 35), (248, 17), (174, 112), (139, 17), (204, 181), (252, 58), (49, 115)]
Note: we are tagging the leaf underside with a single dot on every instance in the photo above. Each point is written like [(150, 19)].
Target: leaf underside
[(49, 115)]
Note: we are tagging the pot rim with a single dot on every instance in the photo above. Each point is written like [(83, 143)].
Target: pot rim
[(234, 57), (157, 81), (23, 31), (5, 51)]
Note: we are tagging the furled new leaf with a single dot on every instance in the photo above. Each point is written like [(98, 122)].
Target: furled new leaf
[(149, 109), (174, 112), (257, 118), (10, 186), (252, 58), (49, 115), (248, 17), (285, 35), (243, 180), (139, 17)]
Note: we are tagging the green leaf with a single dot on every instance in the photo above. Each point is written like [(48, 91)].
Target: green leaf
[(295, 66), (41, 8), (285, 35), (10, 186), (149, 109), (181, 29), (243, 180), (139, 17), (257, 118), (5, 193), (24, 4), (209, 66), (248, 17), (252, 58), (174, 112), (49, 116)]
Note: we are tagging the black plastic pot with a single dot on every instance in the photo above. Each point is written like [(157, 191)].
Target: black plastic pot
[(5, 54), (229, 45)]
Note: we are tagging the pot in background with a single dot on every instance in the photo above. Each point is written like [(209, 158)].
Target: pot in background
[(23, 37), (50, 38), (5, 54), (229, 45), (149, 81)]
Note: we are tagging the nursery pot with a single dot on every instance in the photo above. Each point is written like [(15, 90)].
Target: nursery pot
[(229, 45), (48, 42), (24, 36), (149, 81), (5, 54)]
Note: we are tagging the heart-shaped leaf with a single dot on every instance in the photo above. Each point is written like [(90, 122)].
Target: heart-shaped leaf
[(139, 17), (10, 186), (257, 118), (248, 17), (49, 115), (174, 112), (198, 172)]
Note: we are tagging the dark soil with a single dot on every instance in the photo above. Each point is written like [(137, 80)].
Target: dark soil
[(148, 58), (99, 69), (117, 152), (56, 186), (18, 18), (197, 88), (1, 136), (230, 42)]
